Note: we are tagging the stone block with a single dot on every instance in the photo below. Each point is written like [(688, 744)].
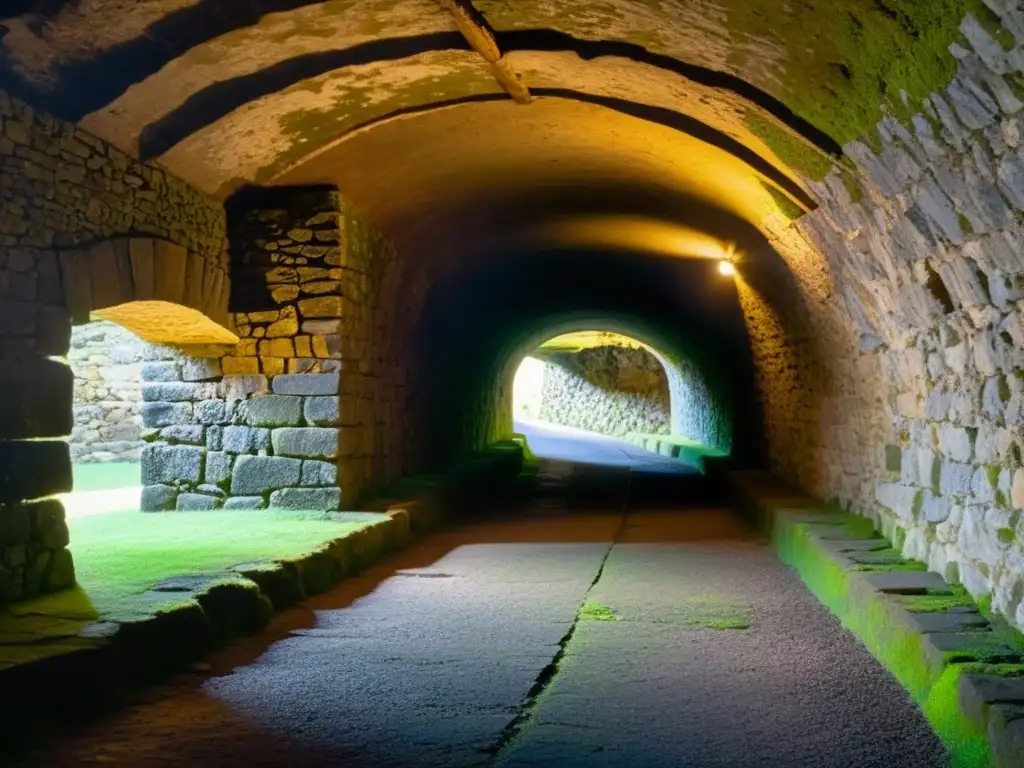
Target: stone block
[(207, 489), (242, 366), (955, 478), (307, 384), (319, 499), (1017, 490), (32, 469), (901, 499), (245, 502), (169, 464), (165, 414), (218, 468), (241, 387), (319, 473), (215, 438), (200, 369), (258, 474), (211, 412), (160, 371), (158, 498), (245, 439), (37, 397), (15, 524), (196, 501), (273, 411), (322, 411), (50, 530), (306, 442), (322, 306), (955, 442), (169, 392), (53, 330), (190, 434), (905, 582)]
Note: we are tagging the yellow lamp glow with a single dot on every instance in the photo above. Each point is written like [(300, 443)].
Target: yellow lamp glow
[(726, 268)]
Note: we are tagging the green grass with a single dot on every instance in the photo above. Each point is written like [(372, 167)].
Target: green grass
[(596, 612), (715, 612), (107, 475), (120, 555)]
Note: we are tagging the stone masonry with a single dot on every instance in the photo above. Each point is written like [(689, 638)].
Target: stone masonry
[(61, 190), (611, 390), (896, 384), (106, 360)]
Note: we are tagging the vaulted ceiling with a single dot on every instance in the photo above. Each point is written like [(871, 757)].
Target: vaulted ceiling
[(497, 107)]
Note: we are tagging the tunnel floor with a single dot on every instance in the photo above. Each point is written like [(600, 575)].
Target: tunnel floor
[(588, 625)]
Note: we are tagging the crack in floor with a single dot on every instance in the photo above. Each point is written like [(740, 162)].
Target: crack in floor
[(547, 675)]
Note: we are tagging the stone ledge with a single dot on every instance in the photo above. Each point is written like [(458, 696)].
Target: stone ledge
[(97, 663), (967, 679)]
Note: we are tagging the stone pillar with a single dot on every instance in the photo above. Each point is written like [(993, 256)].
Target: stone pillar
[(259, 424), (35, 416)]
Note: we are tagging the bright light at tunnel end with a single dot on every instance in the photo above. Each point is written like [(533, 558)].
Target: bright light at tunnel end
[(726, 268)]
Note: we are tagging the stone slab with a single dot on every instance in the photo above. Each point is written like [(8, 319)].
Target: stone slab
[(158, 498), (976, 693), (245, 439), (31, 469), (316, 473), (169, 392), (306, 498), (306, 384), (306, 442), (196, 501), (255, 475), (905, 582), (165, 414), (322, 411), (245, 502), (957, 621), (273, 411), (170, 464)]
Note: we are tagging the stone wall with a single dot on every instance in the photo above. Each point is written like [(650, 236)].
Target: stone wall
[(612, 390), (893, 375), (106, 361), (61, 191)]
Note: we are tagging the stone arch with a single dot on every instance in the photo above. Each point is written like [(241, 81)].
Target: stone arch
[(121, 270), (700, 410)]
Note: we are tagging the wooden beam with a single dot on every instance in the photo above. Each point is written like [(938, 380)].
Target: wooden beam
[(478, 33)]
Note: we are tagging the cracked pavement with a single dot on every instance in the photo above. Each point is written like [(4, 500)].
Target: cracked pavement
[(469, 650)]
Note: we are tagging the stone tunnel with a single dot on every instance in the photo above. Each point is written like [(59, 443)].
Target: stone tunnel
[(346, 222)]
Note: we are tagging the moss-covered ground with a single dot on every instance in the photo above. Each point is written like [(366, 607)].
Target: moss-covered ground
[(121, 556)]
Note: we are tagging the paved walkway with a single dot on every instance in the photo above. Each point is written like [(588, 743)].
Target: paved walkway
[(573, 631), (553, 441)]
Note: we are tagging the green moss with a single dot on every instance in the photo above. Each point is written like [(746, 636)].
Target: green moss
[(713, 612), (847, 60), (800, 155), (938, 601), (596, 612), (1006, 535), (992, 473), (965, 224), (728, 623), (786, 206), (852, 183), (906, 565)]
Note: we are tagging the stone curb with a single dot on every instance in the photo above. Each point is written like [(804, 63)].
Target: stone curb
[(968, 682), (108, 659)]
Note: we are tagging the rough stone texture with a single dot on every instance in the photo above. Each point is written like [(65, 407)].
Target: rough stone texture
[(107, 362), (158, 498), (908, 331), (259, 474), (306, 498), (306, 442), (612, 390), (83, 226)]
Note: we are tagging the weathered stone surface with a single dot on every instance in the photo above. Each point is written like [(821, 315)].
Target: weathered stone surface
[(200, 369), (245, 502), (273, 411), (254, 475), (196, 501), (905, 582), (307, 384), (191, 434), (36, 401), (169, 464), (211, 412), (33, 469), (169, 392), (306, 498), (245, 439), (319, 473), (322, 411), (313, 442), (160, 370), (158, 498), (218, 468)]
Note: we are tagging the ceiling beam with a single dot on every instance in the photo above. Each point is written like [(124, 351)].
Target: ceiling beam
[(480, 36)]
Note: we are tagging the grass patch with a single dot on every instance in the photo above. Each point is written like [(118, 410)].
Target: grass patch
[(106, 475), (596, 612), (715, 612), (938, 601), (121, 555)]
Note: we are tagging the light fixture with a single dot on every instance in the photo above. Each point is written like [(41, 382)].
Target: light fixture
[(726, 268)]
